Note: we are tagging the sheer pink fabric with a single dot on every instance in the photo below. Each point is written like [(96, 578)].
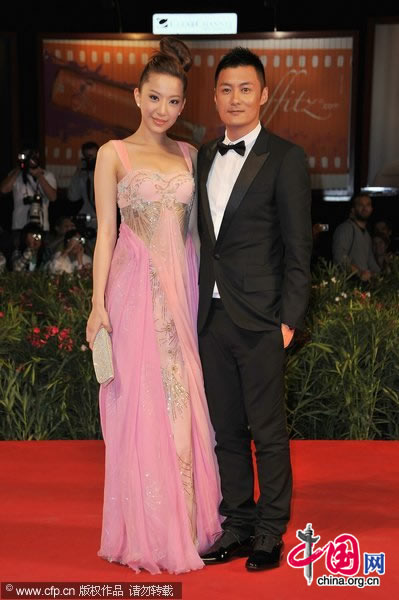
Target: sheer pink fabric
[(162, 489)]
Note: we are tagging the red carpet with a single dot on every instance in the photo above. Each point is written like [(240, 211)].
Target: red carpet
[(50, 512)]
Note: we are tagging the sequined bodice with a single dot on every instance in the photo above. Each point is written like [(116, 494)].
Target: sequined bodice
[(145, 195)]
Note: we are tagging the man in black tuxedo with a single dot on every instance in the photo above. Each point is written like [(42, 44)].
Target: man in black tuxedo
[(255, 230)]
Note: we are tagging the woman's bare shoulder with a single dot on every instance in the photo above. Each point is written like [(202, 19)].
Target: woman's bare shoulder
[(107, 152), (107, 149)]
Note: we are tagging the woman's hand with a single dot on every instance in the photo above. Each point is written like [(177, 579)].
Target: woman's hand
[(97, 318)]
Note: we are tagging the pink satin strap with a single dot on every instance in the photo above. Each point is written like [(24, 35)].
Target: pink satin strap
[(186, 153), (122, 152)]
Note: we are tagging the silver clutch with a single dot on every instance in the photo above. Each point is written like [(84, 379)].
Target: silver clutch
[(102, 356)]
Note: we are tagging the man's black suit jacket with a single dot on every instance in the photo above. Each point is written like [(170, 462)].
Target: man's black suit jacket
[(261, 257)]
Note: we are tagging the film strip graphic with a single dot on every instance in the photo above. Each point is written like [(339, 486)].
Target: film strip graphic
[(89, 84)]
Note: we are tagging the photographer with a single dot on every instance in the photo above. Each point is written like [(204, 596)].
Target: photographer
[(72, 258), (81, 186), (33, 188), (55, 240), (31, 254)]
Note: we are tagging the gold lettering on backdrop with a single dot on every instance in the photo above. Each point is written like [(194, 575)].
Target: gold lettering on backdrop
[(290, 100)]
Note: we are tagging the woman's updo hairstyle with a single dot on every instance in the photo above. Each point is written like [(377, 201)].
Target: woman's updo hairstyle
[(173, 58)]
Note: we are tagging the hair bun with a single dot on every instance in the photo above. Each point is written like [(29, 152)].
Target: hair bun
[(178, 49)]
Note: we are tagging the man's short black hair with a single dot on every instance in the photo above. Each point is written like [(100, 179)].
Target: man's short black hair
[(242, 57)]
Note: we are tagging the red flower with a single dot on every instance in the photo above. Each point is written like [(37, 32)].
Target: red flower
[(36, 330), (64, 333), (51, 330), (1, 314), (67, 345)]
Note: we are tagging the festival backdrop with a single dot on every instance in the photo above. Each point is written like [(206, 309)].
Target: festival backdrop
[(88, 85), (384, 122)]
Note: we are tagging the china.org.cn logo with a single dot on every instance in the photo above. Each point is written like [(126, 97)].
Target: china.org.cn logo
[(342, 560)]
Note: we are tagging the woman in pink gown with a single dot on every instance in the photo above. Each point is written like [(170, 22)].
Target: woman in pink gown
[(161, 491)]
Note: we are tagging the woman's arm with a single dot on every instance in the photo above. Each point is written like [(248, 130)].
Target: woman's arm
[(105, 186)]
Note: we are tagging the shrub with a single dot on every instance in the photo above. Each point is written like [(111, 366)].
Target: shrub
[(342, 375)]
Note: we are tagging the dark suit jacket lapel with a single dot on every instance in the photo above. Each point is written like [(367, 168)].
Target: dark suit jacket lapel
[(254, 161), (207, 161)]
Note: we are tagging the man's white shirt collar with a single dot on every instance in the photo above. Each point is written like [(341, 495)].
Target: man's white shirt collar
[(249, 138)]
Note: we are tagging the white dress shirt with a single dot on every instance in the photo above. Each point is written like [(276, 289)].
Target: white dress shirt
[(222, 177), (64, 264), (20, 190)]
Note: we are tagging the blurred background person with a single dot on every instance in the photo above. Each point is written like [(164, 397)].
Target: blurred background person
[(31, 254), (352, 245), (81, 187), (33, 188), (72, 257), (6, 246), (381, 252), (383, 227), (55, 241), (321, 247)]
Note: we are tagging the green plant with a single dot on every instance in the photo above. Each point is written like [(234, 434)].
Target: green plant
[(343, 379), (342, 376), (47, 387)]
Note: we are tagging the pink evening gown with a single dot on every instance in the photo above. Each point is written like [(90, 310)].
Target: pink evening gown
[(162, 487)]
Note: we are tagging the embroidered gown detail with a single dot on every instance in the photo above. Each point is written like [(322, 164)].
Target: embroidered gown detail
[(162, 490)]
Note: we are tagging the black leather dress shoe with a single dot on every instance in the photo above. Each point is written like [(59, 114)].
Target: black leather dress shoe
[(227, 547), (262, 558)]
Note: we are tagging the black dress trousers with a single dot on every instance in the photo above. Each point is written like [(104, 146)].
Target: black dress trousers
[(244, 384)]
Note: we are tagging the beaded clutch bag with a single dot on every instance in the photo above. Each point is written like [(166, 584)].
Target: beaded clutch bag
[(102, 356)]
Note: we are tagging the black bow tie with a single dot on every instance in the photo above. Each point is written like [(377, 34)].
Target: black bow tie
[(240, 147)]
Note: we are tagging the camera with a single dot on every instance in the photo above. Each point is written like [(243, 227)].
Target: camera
[(81, 239), (35, 213), (28, 159)]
